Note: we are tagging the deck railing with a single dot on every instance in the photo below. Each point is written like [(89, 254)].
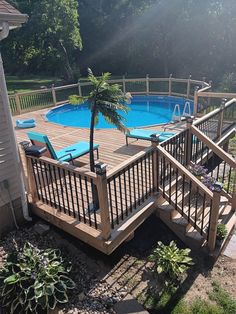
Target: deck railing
[(221, 166), (130, 185), (192, 199), (48, 97), (64, 187), (218, 121)]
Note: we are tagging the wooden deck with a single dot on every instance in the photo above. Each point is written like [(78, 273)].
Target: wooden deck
[(112, 146)]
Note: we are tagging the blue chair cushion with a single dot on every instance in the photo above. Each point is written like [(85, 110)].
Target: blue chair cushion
[(74, 151), (146, 134)]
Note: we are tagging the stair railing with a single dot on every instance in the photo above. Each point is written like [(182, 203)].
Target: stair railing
[(189, 196)]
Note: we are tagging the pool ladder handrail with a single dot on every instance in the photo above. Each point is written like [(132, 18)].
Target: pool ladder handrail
[(176, 116)]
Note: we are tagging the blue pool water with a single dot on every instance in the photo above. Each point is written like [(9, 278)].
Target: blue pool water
[(144, 111)]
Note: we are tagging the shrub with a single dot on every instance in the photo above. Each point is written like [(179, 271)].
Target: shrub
[(221, 232), (171, 260), (34, 280)]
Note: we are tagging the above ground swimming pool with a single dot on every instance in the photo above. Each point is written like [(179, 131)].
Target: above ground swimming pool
[(144, 111)]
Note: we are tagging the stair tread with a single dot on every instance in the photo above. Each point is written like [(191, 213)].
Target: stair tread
[(194, 234), (179, 219)]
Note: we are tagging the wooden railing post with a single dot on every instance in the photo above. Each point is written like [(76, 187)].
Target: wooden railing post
[(214, 216), (17, 98), (147, 84), (170, 84), (123, 82), (195, 101), (32, 189), (220, 121), (155, 142), (188, 144), (188, 86), (79, 88), (54, 98), (100, 169)]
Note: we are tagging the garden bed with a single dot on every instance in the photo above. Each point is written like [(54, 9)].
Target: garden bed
[(101, 281)]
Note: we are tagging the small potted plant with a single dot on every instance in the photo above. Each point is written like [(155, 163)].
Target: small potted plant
[(221, 233), (198, 171)]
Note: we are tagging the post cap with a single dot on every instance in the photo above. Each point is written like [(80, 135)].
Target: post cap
[(170, 75), (189, 119), (24, 144), (155, 137), (100, 168), (217, 186), (196, 88)]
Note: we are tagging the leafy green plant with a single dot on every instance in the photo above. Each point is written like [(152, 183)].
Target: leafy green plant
[(34, 281), (223, 299), (171, 260), (221, 232)]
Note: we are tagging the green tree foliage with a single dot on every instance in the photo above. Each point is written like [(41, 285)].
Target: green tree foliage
[(47, 42)]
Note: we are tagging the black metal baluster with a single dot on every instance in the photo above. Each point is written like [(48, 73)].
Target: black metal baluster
[(82, 199), (126, 199), (52, 183), (117, 214), (71, 194), (88, 202), (196, 207), (183, 193), (77, 196), (130, 190), (203, 212), (121, 198), (111, 206), (62, 192), (66, 190)]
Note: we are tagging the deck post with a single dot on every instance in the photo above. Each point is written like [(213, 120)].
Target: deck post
[(220, 121), (155, 142), (188, 86), (54, 98), (123, 82), (214, 216), (100, 169), (17, 99), (188, 139), (79, 88), (195, 101), (147, 84), (32, 190), (170, 84)]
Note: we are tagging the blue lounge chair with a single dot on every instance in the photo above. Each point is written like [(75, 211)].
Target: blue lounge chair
[(25, 124), (65, 154), (148, 135)]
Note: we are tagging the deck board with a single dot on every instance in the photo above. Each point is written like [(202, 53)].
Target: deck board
[(112, 147)]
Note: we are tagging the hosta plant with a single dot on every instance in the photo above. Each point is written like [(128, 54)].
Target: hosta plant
[(34, 281), (171, 260)]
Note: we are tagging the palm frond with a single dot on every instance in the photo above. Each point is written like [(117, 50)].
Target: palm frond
[(77, 100)]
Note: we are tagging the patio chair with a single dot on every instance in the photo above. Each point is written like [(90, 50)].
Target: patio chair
[(148, 135), (67, 154)]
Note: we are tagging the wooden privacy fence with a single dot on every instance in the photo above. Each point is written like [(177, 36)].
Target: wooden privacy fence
[(48, 97)]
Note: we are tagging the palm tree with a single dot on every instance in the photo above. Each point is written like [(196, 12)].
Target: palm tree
[(105, 99)]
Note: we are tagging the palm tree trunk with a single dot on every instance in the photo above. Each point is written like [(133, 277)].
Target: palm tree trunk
[(91, 139), (91, 157)]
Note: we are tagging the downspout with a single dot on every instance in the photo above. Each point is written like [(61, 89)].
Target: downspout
[(3, 88)]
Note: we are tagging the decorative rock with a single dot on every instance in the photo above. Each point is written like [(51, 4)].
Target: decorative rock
[(41, 228), (81, 297)]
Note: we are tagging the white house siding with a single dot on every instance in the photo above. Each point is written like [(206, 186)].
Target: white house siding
[(9, 172)]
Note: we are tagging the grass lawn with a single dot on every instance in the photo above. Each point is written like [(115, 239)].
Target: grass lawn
[(25, 84)]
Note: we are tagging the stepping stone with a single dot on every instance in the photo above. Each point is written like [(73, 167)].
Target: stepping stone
[(230, 250), (129, 305)]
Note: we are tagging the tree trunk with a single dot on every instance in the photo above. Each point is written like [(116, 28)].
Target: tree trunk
[(91, 157), (67, 66)]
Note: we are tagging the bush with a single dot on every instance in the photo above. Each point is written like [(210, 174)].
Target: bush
[(171, 260), (221, 232), (34, 280)]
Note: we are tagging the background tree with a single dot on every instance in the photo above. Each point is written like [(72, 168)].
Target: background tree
[(45, 44)]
